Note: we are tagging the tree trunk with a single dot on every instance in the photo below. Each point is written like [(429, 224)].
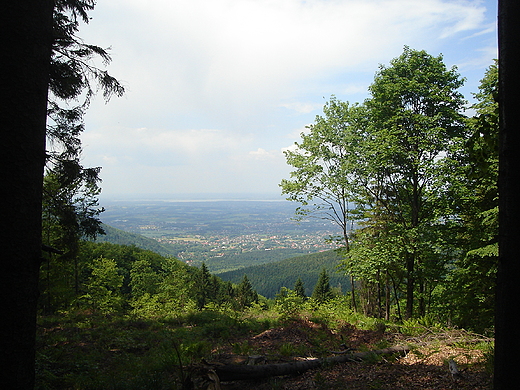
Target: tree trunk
[(235, 372), (27, 30), (387, 297), (412, 258), (353, 294), (507, 329), (410, 284), (422, 301)]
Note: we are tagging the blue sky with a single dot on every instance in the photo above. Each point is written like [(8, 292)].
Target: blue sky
[(217, 89)]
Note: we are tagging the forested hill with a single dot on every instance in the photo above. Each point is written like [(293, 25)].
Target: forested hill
[(267, 279), (120, 237)]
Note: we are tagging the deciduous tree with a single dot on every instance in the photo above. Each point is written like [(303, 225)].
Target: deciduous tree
[(104, 287), (469, 294), (415, 111), (325, 180)]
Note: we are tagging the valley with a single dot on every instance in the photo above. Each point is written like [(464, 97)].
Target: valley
[(224, 234)]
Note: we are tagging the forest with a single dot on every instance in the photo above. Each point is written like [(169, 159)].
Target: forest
[(420, 179), (415, 167), (268, 279), (416, 176)]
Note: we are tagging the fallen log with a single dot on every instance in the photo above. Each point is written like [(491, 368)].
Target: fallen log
[(234, 372)]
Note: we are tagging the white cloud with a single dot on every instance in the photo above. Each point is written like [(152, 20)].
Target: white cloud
[(291, 148), (207, 79), (185, 142), (262, 154), (482, 58), (303, 108), (354, 89), (188, 53)]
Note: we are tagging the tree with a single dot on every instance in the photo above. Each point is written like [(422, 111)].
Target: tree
[(469, 295), (203, 290), (324, 179), (37, 31), (143, 279), (70, 214), (245, 295), (326, 163), (70, 190), (507, 331), (25, 81), (376, 259), (299, 289), (322, 291), (415, 115), (104, 287)]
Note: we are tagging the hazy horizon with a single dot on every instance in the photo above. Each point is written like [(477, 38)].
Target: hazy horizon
[(193, 197)]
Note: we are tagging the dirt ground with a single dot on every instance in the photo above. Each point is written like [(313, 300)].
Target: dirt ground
[(424, 367)]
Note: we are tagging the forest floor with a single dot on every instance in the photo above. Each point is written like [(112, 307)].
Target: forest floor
[(88, 353), (424, 367)]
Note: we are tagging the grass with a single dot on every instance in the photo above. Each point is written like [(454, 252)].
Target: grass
[(118, 354), (82, 351)]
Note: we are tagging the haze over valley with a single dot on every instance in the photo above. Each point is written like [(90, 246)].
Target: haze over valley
[(225, 234)]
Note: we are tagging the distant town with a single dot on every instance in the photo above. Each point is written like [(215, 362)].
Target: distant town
[(220, 245), (199, 232)]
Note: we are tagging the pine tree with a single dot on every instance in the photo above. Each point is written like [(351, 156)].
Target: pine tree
[(203, 287), (322, 291), (299, 289), (245, 295), (25, 79), (31, 67)]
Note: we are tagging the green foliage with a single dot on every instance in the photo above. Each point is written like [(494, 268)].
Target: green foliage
[(83, 351), (288, 304), (244, 295), (268, 279), (206, 288), (289, 349), (121, 237), (113, 278), (143, 279), (299, 288), (322, 291), (73, 77), (419, 326), (469, 294), (325, 177), (122, 354), (103, 289), (415, 117), (422, 180), (70, 205)]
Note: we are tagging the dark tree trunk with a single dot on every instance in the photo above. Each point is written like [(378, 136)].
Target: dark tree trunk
[(410, 284), (247, 372), (422, 301), (26, 27), (507, 327), (353, 293), (387, 297)]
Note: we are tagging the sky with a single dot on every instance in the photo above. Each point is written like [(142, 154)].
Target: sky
[(216, 90)]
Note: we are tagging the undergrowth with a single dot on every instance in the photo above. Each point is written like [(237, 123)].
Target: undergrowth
[(83, 351)]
